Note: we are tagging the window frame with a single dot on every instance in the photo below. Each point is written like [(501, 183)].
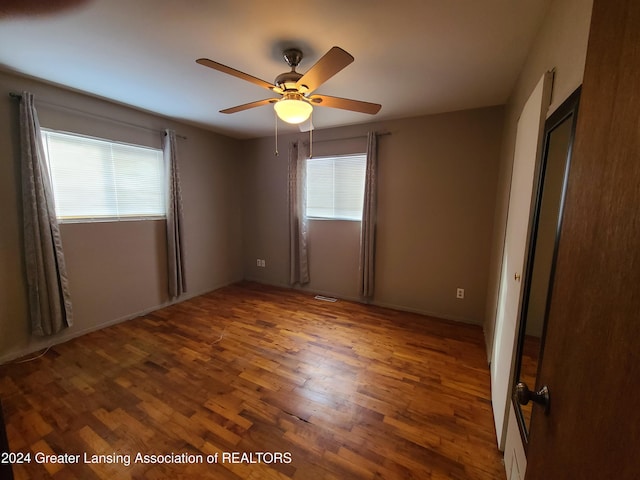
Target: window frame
[(361, 155), (110, 218)]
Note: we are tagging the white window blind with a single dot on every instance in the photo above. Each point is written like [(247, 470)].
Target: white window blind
[(335, 187), (96, 179)]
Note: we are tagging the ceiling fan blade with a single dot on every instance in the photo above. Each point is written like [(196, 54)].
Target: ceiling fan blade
[(331, 63), (249, 105), (345, 104), (236, 73)]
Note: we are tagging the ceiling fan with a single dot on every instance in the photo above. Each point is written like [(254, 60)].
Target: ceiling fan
[(295, 89)]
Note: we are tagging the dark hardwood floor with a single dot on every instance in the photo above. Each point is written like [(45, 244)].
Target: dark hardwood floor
[(305, 389)]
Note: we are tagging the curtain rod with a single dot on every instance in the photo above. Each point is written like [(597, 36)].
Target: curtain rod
[(94, 115), (381, 134)]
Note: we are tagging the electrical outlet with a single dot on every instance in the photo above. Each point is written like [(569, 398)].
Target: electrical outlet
[(258, 262), (263, 263), (460, 293)]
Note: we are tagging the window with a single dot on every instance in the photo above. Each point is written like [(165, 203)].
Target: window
[(97, 179), (335, 187)]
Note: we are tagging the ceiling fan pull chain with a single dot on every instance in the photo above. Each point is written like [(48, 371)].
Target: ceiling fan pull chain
[(311, 135), (275, 119)]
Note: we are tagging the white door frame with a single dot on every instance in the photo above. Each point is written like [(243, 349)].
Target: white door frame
[(525, 163)]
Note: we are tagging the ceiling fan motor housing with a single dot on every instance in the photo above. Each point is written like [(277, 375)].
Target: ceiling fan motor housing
[(287, 81)]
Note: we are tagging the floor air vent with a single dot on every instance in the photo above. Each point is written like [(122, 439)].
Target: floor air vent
[(325, 299)]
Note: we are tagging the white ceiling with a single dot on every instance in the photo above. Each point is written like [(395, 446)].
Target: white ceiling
[(414, 57)]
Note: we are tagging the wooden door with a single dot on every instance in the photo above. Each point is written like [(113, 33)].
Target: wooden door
[(591, 359)]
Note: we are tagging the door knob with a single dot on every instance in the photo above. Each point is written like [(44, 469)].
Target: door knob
[(541, 397)]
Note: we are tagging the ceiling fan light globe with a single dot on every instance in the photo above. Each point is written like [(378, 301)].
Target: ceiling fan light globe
[(292, 111)]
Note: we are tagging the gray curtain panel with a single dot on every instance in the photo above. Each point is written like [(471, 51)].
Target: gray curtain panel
[(175, 252), (48, 287), (368, 231), (298, 224)]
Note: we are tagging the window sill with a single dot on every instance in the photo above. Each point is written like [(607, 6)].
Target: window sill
[(331, 219), (108, 219)]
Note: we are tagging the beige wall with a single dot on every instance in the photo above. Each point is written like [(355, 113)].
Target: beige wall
[(561, 44), (437, 179), (118, 270)]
